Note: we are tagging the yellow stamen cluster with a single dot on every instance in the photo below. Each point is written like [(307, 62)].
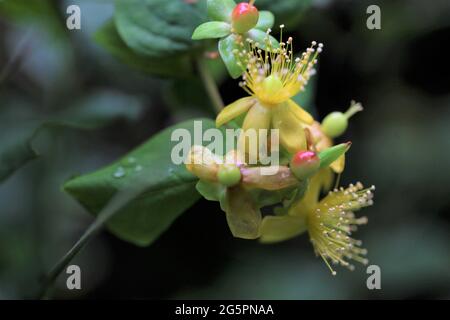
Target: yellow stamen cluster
[(332, 222), (274, 75)]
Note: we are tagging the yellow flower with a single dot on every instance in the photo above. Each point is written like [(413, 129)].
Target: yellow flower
[(330, 222), (272, 78), (217, 183)]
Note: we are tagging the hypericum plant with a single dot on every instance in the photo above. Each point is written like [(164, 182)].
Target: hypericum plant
[(231, 23), (141, 194), (272, 76)]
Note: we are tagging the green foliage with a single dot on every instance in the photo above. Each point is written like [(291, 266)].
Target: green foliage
[(170, 66), (42, 12), (220, 9), (19, 126), (226, 47), (165, 189), (288, 12), (212, 29), (156, 28)]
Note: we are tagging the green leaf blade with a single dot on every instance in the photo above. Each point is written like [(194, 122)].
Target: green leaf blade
[(211, 30), (220, 10), (166, 189)]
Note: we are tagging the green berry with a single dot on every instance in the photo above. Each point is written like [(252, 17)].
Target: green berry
[(335, 124), (229, 175)]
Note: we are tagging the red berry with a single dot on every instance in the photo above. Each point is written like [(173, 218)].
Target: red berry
[(304, 164), (244, 17)]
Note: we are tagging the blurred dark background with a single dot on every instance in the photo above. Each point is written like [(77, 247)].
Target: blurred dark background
[(401, 144)]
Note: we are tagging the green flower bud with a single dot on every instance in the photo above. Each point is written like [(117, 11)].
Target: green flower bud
[(328, 156), (244, 17), (336, 122), (229, 175), (304, 164)]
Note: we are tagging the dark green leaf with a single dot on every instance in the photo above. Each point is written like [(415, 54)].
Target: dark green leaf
[(167, 189), (288, 12), (173, 66), (18, 126), (156, 28)]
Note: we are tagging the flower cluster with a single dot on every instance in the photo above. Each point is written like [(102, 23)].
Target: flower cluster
[(272, 75)]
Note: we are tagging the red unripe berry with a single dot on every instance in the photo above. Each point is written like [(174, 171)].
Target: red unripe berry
[(304, 164), (244, 17)]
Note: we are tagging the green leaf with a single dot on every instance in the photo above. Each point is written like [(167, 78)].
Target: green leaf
[(220, 9), (305, 99), (156, 28), (211, 30), (261, 37), (170, 66), (265, 21), (226, 47), (19, 126), (288, 12), (42, 12), (166, 189)]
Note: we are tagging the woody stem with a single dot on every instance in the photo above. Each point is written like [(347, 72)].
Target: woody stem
[(210, 85)]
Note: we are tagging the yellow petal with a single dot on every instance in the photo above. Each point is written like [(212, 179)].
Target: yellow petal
[(258, 117), (243, 216), (338, 166), (280, 228), (300, 113), (234, 110), (292, 135)]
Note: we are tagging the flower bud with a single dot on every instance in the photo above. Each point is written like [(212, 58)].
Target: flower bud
[(304, 164), (229, 175), (244, 17), (328, 156)]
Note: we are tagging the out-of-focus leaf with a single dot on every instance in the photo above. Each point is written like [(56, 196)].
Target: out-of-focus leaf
[(187, 98), (19, 127), (167, 189), (42, 12), (157, 28), (174, 66), (265, 21), (287, 12), (306, 98), (220, 9)]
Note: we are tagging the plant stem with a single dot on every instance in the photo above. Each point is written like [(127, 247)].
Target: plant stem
[(93, 229), (113, 206), (210, 85)]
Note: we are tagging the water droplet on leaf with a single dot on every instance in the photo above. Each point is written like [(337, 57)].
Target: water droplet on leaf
[(119, 173)]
